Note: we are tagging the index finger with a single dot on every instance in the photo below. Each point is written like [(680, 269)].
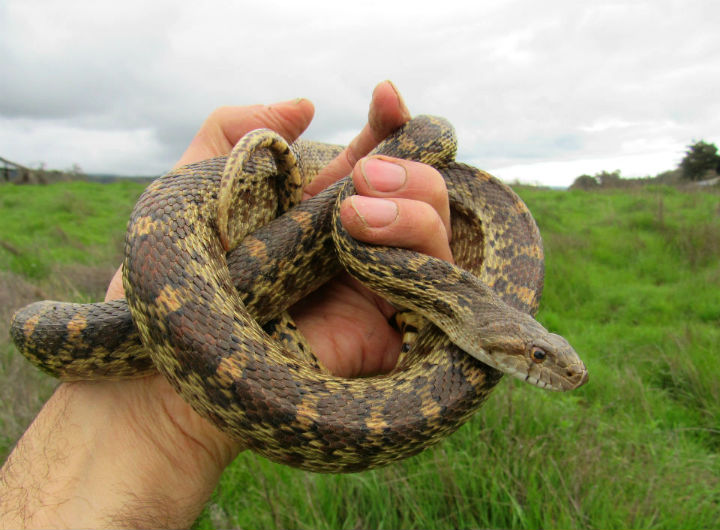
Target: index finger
[(387, 113)]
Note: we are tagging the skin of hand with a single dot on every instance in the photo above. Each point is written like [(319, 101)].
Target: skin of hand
[(133, 453)]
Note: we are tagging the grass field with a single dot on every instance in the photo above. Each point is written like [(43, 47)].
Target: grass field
[(633, 282)]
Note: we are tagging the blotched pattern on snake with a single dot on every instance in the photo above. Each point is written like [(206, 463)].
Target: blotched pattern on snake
[(201, 315)]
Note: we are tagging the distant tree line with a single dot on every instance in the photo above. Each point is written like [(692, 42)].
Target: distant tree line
[(701, 162)]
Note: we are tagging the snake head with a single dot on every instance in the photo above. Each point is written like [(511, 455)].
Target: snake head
[(526, 350), (551, 362)]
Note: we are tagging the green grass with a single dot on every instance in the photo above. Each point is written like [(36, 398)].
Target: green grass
[(73, 222), (632, 281)]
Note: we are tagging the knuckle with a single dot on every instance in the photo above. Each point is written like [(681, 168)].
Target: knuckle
[(427, 180), (219, 113), (420, 219)]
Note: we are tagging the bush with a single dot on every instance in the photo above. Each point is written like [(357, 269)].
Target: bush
[(700, 158)]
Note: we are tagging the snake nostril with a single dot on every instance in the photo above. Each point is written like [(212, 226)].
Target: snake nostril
[(578, 372), (574, 371)]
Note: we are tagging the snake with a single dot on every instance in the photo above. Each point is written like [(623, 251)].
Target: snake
[(215, 253)]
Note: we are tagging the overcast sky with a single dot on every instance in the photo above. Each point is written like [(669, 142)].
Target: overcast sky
[(538, 91)]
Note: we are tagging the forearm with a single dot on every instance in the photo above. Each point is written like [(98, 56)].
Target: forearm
[(84, 462)]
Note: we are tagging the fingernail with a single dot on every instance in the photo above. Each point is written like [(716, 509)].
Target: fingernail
[(374, 212), (403, 108), (295, 101), (382, 175)]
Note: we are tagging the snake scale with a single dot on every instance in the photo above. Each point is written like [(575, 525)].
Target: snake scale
[(207, 278)]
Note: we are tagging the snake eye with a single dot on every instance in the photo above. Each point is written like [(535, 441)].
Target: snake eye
[(538, 355)]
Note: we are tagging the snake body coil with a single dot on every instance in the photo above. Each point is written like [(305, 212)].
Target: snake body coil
[(207, 339)]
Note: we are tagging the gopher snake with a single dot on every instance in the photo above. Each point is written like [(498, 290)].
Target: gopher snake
[(203, 336)]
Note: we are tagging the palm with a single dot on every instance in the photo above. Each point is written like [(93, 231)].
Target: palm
[(347, 327)]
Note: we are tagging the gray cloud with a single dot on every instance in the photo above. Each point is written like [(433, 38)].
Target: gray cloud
[(122, 87)]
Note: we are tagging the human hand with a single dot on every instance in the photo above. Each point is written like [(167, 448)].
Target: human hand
[(133, 453), (345, 323)]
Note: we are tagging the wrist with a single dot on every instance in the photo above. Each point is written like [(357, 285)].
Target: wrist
[(114, 454)]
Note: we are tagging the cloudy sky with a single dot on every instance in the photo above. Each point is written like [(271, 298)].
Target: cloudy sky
[(538, 91)]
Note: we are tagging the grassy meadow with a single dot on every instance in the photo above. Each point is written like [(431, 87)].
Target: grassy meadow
[(632, 281)]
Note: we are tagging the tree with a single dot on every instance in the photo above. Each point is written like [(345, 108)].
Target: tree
[(699, 159), (584, 182)]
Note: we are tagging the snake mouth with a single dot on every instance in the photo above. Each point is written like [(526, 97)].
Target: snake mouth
[(538, 382), (573, 377)]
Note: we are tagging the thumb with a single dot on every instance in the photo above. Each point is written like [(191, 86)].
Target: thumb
[(226, 125)]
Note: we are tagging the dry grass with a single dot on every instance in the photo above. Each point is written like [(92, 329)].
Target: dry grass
[(24, 388)]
